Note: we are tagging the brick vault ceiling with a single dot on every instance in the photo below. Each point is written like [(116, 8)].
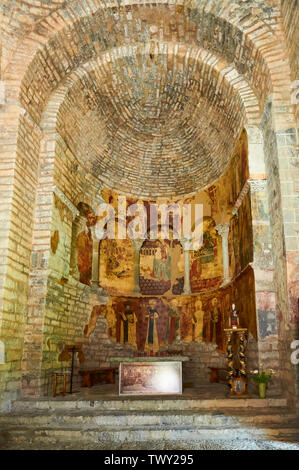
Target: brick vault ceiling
[(151, 124)]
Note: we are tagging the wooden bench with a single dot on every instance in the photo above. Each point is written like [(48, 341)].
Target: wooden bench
[(91, 377), (215, 374)]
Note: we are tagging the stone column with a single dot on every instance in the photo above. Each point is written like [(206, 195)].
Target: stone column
[(137, 244), (223, 230), (186, 243), (265, 289), (262, 198)]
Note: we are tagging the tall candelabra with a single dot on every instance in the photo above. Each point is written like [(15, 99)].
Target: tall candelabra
[(229, 357), (236, 360)]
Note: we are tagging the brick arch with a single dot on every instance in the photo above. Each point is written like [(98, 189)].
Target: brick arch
[(211, 30), (229, 87), (226, 72)]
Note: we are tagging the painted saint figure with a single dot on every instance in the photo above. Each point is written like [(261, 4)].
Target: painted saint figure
[(84, 260), (152, 340), (197, 321), (208, 250), (111, 320), (162, 264), (173, 327), (128, 327), (216, 324)]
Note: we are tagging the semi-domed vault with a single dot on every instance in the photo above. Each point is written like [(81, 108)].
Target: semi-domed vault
[(160, 122)]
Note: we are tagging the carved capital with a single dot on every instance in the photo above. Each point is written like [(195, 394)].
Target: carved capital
[(186, 243), (137, 244)]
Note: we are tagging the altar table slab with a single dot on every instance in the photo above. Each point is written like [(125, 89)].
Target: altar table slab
[(150, 359)]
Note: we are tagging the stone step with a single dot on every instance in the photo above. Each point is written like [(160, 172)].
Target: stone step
[(150, 404), (111, 438), (93, 418), (147, 423)]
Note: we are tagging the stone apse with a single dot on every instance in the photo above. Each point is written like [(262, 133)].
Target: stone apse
[(160, 102)]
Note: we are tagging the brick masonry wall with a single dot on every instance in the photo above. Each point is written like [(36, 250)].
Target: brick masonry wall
[(17, 252), (275, 161), (256, 46), (68, 303)]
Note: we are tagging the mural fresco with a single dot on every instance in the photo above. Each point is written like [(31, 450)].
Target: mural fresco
[(84, 259), (224, 193), (82, 244), (161, 267), (206, 264), (197, 321), (154, 323), (243, 295), (267, 323), (116, 266), (260, 206), (158, 317), (54, 241), (128, 321), (241, 238)]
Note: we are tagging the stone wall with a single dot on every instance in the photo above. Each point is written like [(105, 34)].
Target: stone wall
[(275, 161), (19, 189), (68, 303)]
